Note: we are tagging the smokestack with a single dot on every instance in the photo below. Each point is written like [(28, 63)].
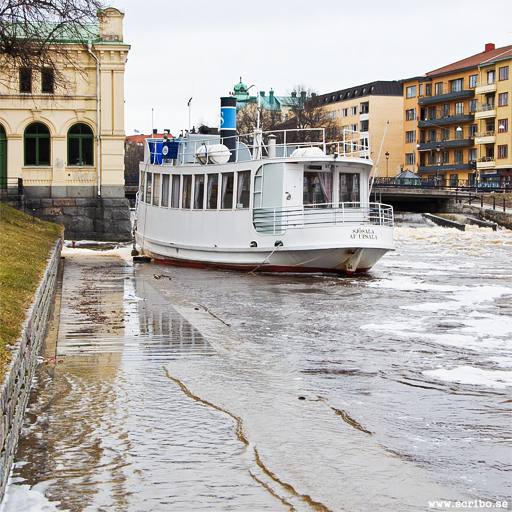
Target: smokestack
[(489, 47), (228, 124)]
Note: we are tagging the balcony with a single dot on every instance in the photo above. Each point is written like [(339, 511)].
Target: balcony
[(364, 116), (428, 100), (445, 167), (485, 111), (486, 162), (485, 138), (444, 144), (486, 88), (443, 121)]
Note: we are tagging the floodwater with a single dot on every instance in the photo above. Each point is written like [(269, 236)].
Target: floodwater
[(182, 389)]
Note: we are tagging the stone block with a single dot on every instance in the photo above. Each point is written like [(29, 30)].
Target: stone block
[(87, 201), (64, 202)]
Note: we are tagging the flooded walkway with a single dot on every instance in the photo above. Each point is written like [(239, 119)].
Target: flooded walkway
[(107, 428)]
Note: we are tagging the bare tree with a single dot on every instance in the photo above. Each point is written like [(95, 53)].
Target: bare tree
[(32, 33), (247, 118), (309, 113)]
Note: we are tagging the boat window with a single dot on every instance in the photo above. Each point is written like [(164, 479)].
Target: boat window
[(213, 191), (198, 191), (243, 189), (142, 187), (165, 190), (156, 189), (149, 182), (227, 191), (175, 194), (317, 189), (258, 184), (349, 188), (187, 190)]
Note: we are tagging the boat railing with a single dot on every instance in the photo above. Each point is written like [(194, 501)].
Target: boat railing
[(276, 221), (259, 145)]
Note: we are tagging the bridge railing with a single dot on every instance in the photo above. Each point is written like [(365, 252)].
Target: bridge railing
[(443, 184)]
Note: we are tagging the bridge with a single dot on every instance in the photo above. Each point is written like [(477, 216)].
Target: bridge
[(426, 195)]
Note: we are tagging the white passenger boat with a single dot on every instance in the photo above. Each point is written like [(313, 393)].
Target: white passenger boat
[(268, 202)]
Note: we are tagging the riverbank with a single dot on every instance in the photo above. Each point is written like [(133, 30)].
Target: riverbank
[(25, 246)]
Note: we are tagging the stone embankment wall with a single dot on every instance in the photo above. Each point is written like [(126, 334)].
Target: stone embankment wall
[(83, 218), (17, 381), (499, 217)]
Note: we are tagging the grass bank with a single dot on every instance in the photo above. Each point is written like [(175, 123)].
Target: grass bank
[(25, 246)]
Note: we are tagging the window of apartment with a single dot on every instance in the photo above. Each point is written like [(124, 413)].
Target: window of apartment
[(445, 157), (473, 81), (458, 156), (491, 76), (80, 145), (432, 158), (353, 127), (364, 126), (432, 113), (364, 108), (473, 128), (438, 88), (410, 92), (457, 85), (472, 155), (459, 108), (472, 106), (503, 99), (445, 110), (409, 114), (353, 111), (47, 80), (409, 159), (489, 126), (26, 80), (503, 73), (503, 151), (445, 133), (432, 136), (37, 144), (333, 114), (502, 125), (344, 112), (428, 89), (421, 89), (459, 132), (409, 136)]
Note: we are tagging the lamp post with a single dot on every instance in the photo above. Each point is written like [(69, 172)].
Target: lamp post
[(438, 164), (387, 161)]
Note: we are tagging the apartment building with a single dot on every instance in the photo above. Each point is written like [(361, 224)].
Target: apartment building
[(493, 116), (368, 108), (446, 136)]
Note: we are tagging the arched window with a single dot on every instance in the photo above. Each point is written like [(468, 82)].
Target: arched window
[(80, 145), (3, 158), (37, 144)]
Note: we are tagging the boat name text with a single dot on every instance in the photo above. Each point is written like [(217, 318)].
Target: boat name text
[(363, 234)]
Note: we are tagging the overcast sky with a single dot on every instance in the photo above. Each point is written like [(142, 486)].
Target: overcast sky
[(200, 48)]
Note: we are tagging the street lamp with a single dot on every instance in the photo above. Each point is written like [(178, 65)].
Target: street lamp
[(387, 161), (438, 163)]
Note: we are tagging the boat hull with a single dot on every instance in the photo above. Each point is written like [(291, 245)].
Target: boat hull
[(340, 260)]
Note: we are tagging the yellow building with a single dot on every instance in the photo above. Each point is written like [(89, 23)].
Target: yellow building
[(493, 117), (368, 108), (441, 120), (65, 138)]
